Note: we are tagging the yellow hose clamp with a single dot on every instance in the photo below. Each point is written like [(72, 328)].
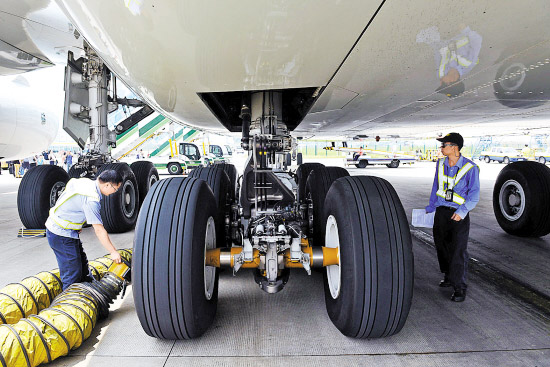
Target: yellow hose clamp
[(122, 270)]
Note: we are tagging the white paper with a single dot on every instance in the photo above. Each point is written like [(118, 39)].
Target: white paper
[(421, 219)]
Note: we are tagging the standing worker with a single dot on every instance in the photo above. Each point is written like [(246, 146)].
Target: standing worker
[(455, 193), (80, 203)]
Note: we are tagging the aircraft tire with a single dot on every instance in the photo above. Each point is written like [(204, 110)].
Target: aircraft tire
[(317, 185), (521, 199), (79, 172), (218, 181), (302, 173), (39, 190), (232, 175), (175, 294), (368, 295), (119, 211), (146, 175)]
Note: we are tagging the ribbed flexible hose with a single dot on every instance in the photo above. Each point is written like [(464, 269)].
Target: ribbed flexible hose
[(65, 324), (35, 293)]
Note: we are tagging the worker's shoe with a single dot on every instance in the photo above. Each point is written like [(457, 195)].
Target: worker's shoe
[(459, 295), (445, 282)]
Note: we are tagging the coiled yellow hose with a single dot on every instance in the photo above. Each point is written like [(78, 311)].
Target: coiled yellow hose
[(35, 293), (66, 323)]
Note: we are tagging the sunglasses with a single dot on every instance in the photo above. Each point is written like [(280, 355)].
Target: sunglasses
[(448, 145)]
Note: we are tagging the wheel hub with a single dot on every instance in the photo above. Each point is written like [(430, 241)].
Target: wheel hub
[(334, 272), (512, 200), (209, 271), (56, 192), (129, 198)]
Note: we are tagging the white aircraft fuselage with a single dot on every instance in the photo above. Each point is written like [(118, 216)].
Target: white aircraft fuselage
[(34, 35), (376, 63)]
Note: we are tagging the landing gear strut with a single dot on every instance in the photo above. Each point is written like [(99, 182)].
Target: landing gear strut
[(355, 227)]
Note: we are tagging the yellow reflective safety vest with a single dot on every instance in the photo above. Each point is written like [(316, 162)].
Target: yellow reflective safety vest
[(75, 186), (448, 55), (447, 183)]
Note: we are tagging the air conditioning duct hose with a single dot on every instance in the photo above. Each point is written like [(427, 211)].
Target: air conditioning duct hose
[(65, 324), (35, 293)]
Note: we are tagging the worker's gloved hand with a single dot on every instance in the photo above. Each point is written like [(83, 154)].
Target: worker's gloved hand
[(116, 257)]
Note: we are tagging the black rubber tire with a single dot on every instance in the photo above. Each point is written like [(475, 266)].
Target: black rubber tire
[(506, 160), (146, 175), (217, 180), (79, 172), (302, 173), (174, 168), (168, 260), (231, 172), (317, 185), (362, 164), (376, 259), (299, 159), (34, 196), (117, 214), (518, 84), (534, 179), (487, 159), (542, 160)]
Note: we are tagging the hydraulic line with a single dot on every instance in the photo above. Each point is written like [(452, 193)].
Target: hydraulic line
[(35, 293), (66, 323)]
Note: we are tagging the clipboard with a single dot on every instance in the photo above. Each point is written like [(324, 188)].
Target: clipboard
[(421, 219)]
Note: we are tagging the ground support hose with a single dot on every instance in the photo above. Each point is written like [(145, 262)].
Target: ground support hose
[(65, 325), (35, 293)]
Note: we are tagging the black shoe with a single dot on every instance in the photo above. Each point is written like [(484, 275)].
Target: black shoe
[(459, 295), (445, 282)]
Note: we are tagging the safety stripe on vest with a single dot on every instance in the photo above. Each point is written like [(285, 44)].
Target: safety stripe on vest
[(68, 224), (457, 199)]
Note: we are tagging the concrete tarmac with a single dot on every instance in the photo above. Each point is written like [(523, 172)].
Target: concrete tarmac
[(495, 326)]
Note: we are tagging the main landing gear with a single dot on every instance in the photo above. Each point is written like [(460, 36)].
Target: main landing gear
[(90, 95), (272, 220)]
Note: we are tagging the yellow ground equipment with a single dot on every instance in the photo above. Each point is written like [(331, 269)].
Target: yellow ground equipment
[(66, 323)]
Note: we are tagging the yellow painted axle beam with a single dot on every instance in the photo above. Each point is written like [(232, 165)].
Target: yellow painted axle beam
[(319, 257)]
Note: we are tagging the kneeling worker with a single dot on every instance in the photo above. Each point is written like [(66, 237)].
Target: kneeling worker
[(80, 203), (455, 192)]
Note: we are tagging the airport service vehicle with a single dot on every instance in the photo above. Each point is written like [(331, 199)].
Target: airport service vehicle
[(221, 151), (363, 157), (275, 72), (501, 155), (543, 157), (188, 157), (367, 157), (370, 160)]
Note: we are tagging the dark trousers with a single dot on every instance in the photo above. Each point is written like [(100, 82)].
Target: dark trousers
[(451, 242), (71, 259)]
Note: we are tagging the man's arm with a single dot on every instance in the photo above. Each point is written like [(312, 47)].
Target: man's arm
[(433, 198), (103, 237), (472, 196)]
